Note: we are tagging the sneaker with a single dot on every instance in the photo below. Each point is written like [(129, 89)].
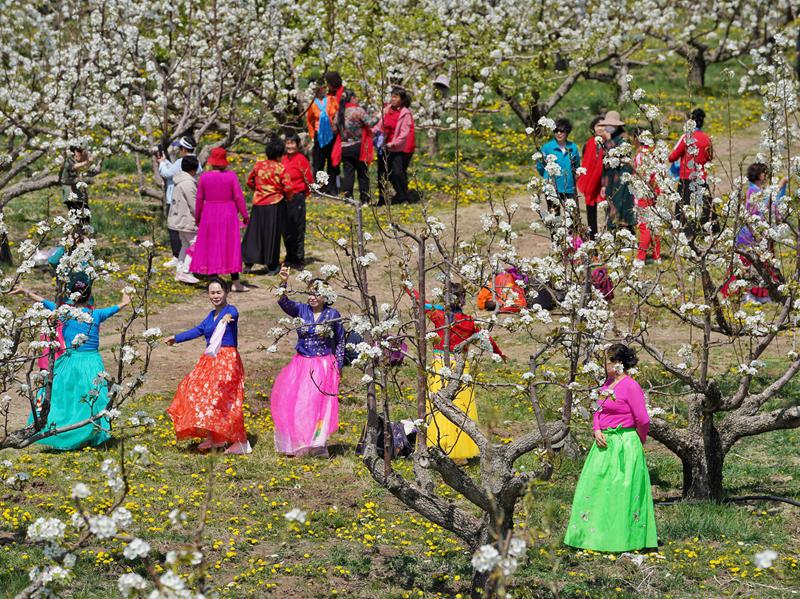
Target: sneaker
[(172, 263), (186, 277)]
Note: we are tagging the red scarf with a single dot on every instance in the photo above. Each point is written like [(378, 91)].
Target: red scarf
[(367, 152), (590, 183)]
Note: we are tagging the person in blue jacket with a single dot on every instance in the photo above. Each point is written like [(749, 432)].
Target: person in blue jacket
[(568, 158)]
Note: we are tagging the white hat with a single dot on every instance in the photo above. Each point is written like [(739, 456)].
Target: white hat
[(442, 81), (187, 141)]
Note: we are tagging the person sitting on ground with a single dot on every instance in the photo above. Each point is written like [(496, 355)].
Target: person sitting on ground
[(506, 291), (761, 205)]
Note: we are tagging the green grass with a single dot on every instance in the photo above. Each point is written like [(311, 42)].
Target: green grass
[(360, 541)]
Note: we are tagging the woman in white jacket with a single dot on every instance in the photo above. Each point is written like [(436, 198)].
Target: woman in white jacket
[(182, 214)]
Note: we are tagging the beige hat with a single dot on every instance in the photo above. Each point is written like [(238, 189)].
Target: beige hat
[(612, 119)]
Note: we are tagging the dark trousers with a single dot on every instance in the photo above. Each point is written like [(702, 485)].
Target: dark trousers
[(394, 168), (321, 161), (175, 242), (294, 233), (352, 166), (686, 187), (591, 219)]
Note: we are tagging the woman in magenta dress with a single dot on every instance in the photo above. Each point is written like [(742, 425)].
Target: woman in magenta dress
[(613, 505), (218, 249), (305, 396)]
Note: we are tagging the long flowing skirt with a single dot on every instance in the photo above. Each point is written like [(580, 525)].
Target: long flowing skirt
[(209, 400), (262, 239), (443, 433), (218, 248), (613, 505), (305, 404), (78, 394)]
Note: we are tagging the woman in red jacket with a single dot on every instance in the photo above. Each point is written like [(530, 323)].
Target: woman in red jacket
[(299, 171), (396, 128), (442, 433), (694, 150), (590, 183)]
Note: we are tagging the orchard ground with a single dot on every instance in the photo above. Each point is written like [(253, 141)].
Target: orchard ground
[(357, 540)]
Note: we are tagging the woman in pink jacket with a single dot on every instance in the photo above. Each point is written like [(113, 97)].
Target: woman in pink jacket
[(396, 145), (220, 201)]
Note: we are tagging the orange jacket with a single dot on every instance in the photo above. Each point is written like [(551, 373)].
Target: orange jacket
[(313, 112), (508, 295)]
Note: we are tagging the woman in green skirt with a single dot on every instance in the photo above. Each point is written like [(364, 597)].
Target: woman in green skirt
[(79, 393), (613, 505)]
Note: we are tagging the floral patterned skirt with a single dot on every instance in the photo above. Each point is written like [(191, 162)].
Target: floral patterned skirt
[(208, 402)]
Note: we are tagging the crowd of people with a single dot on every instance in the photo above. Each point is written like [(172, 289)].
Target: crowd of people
[(206, 210), (604, 176)]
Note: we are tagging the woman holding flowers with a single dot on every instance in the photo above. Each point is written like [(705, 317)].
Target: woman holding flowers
[(305, 396), (209, 401), (613, 505), (79, 393)]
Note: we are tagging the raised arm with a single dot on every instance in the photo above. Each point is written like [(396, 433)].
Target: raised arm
[(190, 334), (34, 296), (290, 307), (167, 169)]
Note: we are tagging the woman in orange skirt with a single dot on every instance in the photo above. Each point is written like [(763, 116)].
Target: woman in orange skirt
[(208, 402)]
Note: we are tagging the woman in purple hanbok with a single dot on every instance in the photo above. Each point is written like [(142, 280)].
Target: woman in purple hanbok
[(305, 396)]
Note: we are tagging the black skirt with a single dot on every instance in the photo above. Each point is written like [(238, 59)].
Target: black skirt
[(262, 239)]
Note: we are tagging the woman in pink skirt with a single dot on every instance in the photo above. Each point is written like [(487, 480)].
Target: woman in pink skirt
[(305, 396), (218, 249)]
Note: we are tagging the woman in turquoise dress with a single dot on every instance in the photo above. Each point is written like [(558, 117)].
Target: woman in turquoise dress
[(78, 393)]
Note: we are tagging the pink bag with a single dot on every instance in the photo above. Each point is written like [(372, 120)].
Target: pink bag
[(44, 361)]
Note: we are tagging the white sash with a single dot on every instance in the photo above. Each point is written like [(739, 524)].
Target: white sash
[(216, 338)]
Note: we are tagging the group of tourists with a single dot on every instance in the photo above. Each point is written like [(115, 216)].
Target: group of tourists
[(205, 211), (613, 506), (607, 180)]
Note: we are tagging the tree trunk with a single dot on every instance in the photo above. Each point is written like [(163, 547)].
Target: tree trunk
[(433, 144), (702, 465), (496, 530), (697, 71)]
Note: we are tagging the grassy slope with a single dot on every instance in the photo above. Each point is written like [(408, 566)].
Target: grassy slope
[(358, 541)]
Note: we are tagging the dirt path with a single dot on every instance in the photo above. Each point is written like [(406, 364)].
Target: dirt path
[(259, 311)]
